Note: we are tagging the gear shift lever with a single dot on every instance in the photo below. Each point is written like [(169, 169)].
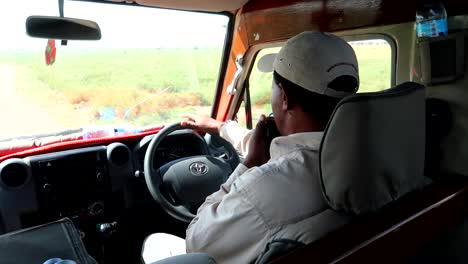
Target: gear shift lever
[(107, 229)]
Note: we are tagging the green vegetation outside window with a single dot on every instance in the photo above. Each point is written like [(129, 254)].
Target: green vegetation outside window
[(151, 67), (375, 63)]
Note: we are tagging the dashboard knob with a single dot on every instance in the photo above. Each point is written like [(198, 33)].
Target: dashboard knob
[(107, 229), (139, 174), (96, 208), (47, 187), (100, 176)]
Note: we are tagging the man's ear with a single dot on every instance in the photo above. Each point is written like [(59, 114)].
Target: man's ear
[(285, 103)]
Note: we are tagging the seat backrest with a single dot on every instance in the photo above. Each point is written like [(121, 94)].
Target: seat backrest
[(399, 229), (373, 149)]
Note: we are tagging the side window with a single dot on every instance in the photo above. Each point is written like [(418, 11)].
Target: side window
[(375, 73), (375, 64), (260, 90)]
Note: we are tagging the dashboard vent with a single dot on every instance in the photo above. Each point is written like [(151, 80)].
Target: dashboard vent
[(118, 154), (14, 174)]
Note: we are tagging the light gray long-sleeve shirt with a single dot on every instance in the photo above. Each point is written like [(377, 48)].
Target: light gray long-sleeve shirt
[(280, 199)]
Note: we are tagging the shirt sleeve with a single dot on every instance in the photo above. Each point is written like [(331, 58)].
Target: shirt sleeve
[(237, 135), (228, 224)]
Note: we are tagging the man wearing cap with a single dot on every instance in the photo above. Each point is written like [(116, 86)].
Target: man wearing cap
[(275, 193)]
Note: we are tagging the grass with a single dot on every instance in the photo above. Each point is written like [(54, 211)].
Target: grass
[(374, 67), (150, 70), (374, 70), (156, 84), (149, 86)]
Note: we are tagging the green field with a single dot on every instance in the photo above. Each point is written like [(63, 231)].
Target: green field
[(155, 85), (144, 86), (374, 70)]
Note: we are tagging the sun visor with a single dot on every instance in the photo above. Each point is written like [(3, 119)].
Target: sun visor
[(199, 5)]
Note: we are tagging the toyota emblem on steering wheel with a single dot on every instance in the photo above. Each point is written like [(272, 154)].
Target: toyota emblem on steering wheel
[(198, 168)]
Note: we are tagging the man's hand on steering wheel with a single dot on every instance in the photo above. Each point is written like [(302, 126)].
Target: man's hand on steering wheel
[(202, 123), (259, 152)]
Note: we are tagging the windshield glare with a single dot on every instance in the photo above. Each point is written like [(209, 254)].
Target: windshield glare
[(151, 67)]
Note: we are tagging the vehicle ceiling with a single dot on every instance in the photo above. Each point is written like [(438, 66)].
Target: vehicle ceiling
[(382, 8), (199, 5), (272, 20)]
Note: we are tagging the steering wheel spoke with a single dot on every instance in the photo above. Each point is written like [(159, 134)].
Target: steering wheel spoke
[(169, 194)]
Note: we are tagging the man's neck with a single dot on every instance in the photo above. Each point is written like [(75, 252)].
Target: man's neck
[(301, 122)]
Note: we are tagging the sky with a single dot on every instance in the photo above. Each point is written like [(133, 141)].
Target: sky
[(121, 26)]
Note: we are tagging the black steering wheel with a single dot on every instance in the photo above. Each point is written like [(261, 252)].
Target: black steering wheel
[(182, 185)]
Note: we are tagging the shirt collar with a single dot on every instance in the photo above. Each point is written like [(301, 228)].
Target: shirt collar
[(283, 145)]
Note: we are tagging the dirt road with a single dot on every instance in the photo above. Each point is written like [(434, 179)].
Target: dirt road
[(20, 116)]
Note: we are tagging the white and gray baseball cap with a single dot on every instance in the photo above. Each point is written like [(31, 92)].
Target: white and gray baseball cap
[(312, 60)]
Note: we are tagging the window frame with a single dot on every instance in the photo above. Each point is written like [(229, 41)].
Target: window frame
[(250, 61)]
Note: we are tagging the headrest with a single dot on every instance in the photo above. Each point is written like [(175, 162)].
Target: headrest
[(372, 151)]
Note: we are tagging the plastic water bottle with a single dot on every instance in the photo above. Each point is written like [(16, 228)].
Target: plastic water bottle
[(431, 20)]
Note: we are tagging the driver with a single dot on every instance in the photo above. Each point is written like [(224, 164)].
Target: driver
[(276, 190)]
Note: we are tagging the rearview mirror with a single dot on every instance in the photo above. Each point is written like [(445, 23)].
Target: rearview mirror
[(63, 28)]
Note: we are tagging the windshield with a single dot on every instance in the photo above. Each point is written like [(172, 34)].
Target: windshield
[(151, 67)]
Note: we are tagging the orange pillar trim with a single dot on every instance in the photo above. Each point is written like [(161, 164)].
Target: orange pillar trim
[(239, 47)]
